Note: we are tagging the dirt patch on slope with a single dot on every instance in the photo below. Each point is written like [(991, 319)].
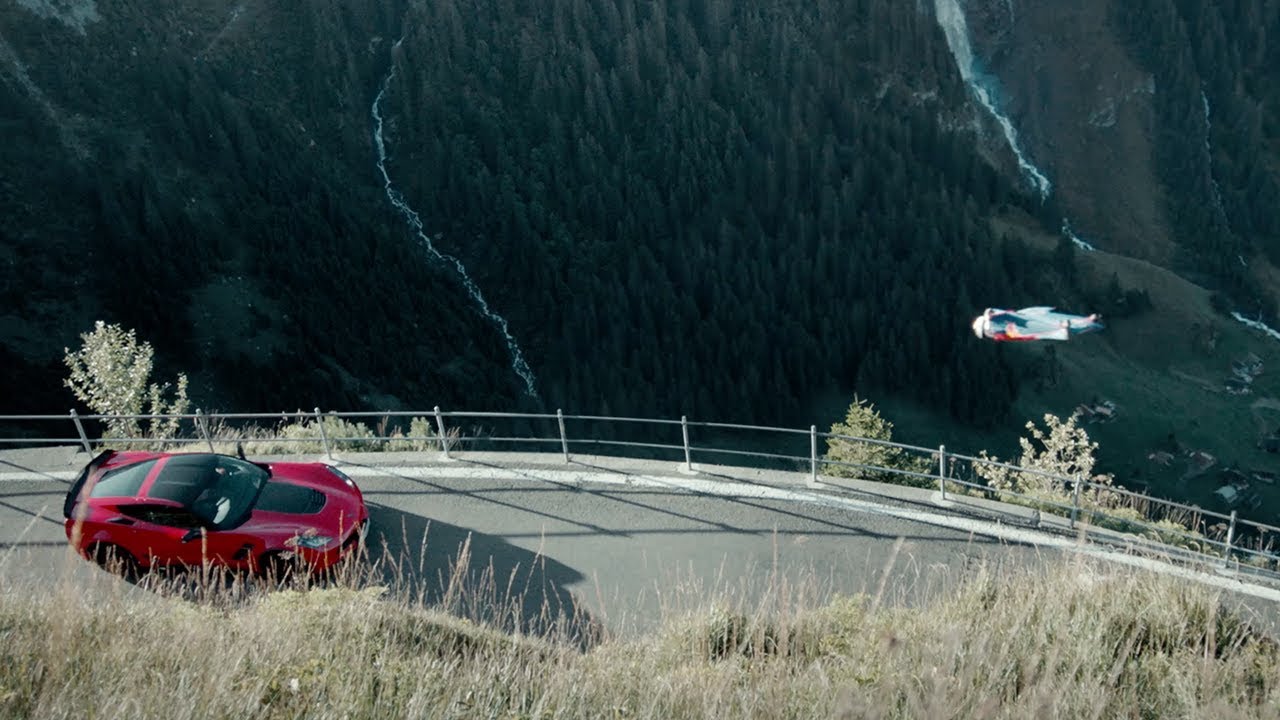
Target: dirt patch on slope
[(1084, 108)]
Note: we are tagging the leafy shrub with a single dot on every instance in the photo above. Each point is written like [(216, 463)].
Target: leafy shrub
[(1061, 451), (342, 434), (111, 372), (422, 436), (303, 436)]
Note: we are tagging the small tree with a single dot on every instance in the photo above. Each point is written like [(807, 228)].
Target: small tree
[(863, 421), (1062, 449), (111, 372)]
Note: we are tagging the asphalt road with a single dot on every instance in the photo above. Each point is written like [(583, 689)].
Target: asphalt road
[(623, 543)]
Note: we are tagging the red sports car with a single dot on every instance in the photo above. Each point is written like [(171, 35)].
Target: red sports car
[(152, 509)]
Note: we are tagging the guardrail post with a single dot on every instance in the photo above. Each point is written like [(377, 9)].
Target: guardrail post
[(1231, 533), (684, 431), (564, 441), (444, 447), (942, 471), (1075, 502), (204, 431), (324, 437), (84, 439), (813, 454)]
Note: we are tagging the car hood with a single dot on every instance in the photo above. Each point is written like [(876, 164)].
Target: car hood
[(298, 499), (291, 499)]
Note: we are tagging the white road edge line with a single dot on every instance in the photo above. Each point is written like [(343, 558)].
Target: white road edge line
[(29, 476)]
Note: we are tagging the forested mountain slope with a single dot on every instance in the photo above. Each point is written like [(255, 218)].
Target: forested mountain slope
[(727, 210), (1158, 121), (712, 210)]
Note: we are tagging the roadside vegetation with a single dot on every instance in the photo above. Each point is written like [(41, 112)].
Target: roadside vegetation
[(1073, 640), (111, 373), (862, 447), (1044, 476)]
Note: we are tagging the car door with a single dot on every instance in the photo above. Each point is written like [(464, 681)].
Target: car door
[(156, 538), (226, 548), (175, 536)]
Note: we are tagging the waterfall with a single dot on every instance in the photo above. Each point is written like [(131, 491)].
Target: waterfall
[(1257, 325), (951, 20), (518, 364), (75, 14), (1208, 159), (12, 66), (217, 37), (1070, 235)]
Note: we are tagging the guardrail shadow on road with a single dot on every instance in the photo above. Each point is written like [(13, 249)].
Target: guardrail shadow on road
[(36, 474), (32, 518), (630, 496), (476, 576)]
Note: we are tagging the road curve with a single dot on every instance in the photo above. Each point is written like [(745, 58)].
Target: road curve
[(623, 542)]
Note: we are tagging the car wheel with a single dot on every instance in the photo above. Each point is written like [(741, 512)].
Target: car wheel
[(115, 559)]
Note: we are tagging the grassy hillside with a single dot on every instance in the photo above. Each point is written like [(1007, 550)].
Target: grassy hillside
[(1078, 641)]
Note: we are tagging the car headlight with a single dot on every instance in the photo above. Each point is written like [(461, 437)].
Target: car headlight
[(346, 478), (314, 542)]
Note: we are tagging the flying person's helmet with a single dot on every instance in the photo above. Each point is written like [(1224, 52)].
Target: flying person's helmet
[(980, 325)]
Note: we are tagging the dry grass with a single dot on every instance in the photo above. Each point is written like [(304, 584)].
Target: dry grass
[(1075, 641), (295, 435)]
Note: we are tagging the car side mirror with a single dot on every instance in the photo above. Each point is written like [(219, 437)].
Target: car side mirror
[(192, 534)]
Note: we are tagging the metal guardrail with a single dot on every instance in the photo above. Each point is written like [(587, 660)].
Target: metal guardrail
[(1148, 522)]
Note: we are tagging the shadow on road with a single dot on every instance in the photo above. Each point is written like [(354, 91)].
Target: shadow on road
[(421, 561), (477, 576)]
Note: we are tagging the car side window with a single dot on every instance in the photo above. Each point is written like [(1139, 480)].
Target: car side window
[(161, 515), (122, 482)]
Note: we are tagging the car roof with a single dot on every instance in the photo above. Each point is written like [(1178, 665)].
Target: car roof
[(182, 477)]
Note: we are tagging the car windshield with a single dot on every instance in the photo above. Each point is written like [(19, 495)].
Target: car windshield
[(218, 489)]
